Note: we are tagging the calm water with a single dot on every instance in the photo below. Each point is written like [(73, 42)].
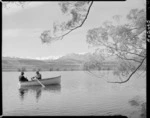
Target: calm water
[(80, 93)]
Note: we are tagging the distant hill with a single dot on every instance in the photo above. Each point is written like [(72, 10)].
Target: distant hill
[(68, 62), (72, 59), (9, 63)]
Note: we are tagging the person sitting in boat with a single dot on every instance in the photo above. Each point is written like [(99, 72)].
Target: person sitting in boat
[(38, 76), (22, 78)]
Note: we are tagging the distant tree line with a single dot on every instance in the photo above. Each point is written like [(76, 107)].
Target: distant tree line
[(22, 69)]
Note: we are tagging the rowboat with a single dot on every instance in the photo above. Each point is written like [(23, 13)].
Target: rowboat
[(46, 81)]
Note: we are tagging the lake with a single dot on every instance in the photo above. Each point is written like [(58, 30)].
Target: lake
[(80, 93)]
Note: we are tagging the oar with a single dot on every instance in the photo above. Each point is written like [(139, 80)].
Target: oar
[(39, 82)]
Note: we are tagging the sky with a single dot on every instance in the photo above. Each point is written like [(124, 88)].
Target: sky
[(22, 28)]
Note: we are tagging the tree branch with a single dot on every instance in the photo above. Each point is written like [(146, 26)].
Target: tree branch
[(128, 58), (125, 62), (80, 24), (131, 73), (122, 50)]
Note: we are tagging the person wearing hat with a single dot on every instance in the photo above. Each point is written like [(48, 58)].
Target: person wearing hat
[(38, 76), (22, 78)]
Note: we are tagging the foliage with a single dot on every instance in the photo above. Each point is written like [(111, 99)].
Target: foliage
[(126, 41), (34, 69), (19, 70), (76, 11), (57, 69), (72, 69), (95, 62), (23, 69), (8, 3), (65, 69), (51, 69), (38, 69)]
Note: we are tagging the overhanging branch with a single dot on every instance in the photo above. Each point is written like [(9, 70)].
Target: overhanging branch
[(80, 24), (116, 49), (128, 58), (131, 73)]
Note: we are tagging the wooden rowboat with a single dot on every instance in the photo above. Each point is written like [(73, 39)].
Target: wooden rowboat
[(46, 81)]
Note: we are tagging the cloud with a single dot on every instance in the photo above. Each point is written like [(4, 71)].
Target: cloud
[(12, 7)]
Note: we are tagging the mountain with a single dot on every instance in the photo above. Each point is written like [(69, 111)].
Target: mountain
[(67, 62), (73, 59)]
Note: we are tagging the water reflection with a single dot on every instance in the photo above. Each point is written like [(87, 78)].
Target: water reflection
[(22, 93), (37, 90), (38, 94)]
